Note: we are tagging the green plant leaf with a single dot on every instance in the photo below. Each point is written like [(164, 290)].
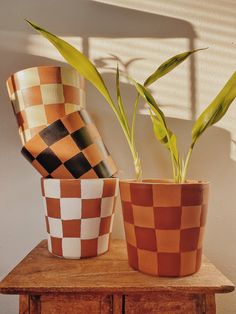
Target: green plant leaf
[(216, 110), (169, 65), (77, 60)]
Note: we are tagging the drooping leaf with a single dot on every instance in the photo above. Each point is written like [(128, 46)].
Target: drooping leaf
[(216, 110), (169, 65), (77, 60)]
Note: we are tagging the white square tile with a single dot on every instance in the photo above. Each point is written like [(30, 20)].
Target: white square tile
[(49, 244), (17, 101), (69, 108), (111, 225), (45, 206), (28, 78), (107, 206), (70, 208), (90, 228), (91, 188), (52, 94), (36, 116), (103, 243), (70, 77), (71, 247), (52, 188), (55, 226)]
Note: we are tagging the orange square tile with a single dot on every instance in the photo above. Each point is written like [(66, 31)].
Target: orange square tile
[(53, 207), (61, 173), (21, 118), (32, 96), (71, 94), (190, 216), (93, 154), (109, 188), (201, 237), (91, 174), (73, 122), (91, 208), (188, 263), (40, 169), (105, 225), (36, 146), (56, 244), (54, 112), (49, 75), (71, 228), (205, 197), (70, 188), (143, 216), (125, 192), (167, 195), (65, 148), (168, 241), (147, 262), (93, 132), (130, 233), (89, 248)]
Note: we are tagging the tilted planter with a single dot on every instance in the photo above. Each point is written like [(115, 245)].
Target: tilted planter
[(79, 215), (164, 225), (42, 95)]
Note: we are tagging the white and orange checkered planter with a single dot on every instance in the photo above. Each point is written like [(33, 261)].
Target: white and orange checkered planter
[(42, 95), (164, 225), (79, 215)]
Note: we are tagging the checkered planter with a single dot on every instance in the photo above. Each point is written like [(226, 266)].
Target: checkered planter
[(164, 225), (79, 215), (70, 147), (41, 95)]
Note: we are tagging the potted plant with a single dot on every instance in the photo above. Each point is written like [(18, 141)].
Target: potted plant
[(164, 219)]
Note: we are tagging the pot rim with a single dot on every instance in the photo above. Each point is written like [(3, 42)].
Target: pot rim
[(150, 181), (79, 179), (44, 66)]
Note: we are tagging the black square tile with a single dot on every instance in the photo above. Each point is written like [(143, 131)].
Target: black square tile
[(54, 132), (82, 138), (49, 160), (27, 155), (102, 170), (77, 165)]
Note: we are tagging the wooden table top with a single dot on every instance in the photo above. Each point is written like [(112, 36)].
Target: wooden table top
[(40, 272)]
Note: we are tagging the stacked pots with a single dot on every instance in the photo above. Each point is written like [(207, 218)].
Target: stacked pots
[(63, 144)]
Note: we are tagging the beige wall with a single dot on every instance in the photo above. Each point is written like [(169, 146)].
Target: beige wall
[(146, 37)]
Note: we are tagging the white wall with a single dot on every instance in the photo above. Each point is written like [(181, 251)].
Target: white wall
[(146, 37)]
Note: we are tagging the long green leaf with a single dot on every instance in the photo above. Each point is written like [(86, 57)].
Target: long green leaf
[(216, 110), (169, 65), (77, 60)]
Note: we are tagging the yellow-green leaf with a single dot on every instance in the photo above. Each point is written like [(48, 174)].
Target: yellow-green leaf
[(169, 65), (77, 60), (216, 110)]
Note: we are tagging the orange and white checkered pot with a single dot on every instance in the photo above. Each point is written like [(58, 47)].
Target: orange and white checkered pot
[(79, 215), (164, 225), (42, 95)]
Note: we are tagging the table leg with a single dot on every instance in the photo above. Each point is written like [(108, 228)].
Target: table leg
[(210, 303)]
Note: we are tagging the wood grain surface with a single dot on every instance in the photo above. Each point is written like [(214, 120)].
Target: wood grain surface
[(41, 273)]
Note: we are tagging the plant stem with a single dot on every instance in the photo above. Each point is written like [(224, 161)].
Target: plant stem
[(186, 164)]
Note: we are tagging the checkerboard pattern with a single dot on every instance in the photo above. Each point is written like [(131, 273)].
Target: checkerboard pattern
[(164, 226), (70, 147), (42, 95), (79, 215)]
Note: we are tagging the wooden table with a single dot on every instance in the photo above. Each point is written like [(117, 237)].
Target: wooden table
[(107, 284)]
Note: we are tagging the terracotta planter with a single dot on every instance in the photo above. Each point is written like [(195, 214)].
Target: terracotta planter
[(164, 225), (79, 215), (70, 147), (42, 95)]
